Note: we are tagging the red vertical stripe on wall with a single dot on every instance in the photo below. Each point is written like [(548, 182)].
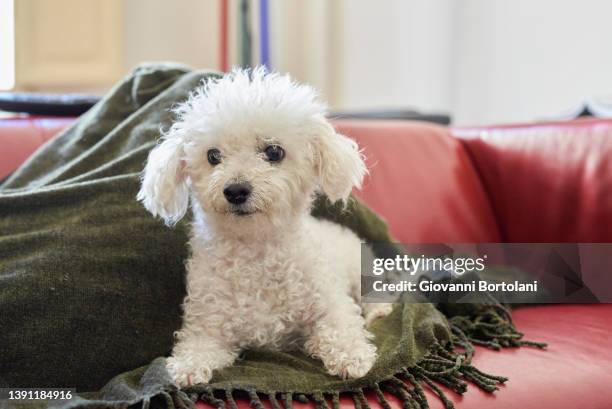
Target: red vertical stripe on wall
[(223, 34)]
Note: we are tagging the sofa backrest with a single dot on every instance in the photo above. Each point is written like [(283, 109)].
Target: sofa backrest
[(422, 182), (547, 182), (523, 183), (20, 137)]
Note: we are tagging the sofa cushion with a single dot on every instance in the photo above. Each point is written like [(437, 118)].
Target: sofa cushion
[(20, 137), (422, 182), (547, 183)]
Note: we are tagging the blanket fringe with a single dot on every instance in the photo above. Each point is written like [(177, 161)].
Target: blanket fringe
[(273, 401), (492, 328), (173, 398), (209, 397), (442, 367), (446, 366)]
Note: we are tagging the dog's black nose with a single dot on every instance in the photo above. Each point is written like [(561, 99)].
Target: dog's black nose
[(237, 193)]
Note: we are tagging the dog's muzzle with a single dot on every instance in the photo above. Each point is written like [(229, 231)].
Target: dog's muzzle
[(237, 193)]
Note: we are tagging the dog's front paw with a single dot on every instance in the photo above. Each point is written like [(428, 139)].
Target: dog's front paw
[(354, 364), (186, 373)]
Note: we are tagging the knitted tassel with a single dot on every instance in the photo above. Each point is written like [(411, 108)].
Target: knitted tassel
[(255, 401), (272, 398)]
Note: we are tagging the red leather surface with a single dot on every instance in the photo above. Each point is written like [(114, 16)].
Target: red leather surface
[(547, 183), (20, 137), (421, 179), (574, 372), (422, 182)]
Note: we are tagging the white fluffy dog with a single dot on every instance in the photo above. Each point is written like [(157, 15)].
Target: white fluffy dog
[(251, 150)]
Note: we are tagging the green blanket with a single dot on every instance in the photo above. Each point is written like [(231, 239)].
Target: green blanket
[(91, 284)]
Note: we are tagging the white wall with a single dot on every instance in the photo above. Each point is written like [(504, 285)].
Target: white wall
[(364, 53), (484, 61), (522, 60), (160, 30), (300, 40), (391, 53)]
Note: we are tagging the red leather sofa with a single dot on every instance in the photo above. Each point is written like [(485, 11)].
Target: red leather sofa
[(547, 182)]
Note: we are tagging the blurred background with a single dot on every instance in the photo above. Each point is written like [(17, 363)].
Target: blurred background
[(479, 61)]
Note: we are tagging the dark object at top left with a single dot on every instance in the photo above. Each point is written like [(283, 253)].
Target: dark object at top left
[(47, 104)]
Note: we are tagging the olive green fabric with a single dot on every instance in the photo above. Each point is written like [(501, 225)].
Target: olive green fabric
[(91, 284)]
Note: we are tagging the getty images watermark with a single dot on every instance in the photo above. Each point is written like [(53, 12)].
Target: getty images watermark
[(466, 273), (436, 267)]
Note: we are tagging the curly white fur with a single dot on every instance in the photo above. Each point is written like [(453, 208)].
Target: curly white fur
[(264, 273)]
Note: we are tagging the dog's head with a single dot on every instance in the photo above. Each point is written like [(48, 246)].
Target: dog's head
[(250, 148)]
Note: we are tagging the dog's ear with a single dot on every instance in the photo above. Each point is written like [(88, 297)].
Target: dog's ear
[(164, 190), (339, 163)]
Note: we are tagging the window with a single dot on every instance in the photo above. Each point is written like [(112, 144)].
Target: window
[(7, 45)]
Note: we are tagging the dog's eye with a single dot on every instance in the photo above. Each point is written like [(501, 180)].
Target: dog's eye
[(214, 156), (274, 153)]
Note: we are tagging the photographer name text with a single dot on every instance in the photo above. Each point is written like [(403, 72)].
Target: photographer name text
[(473, 286)]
